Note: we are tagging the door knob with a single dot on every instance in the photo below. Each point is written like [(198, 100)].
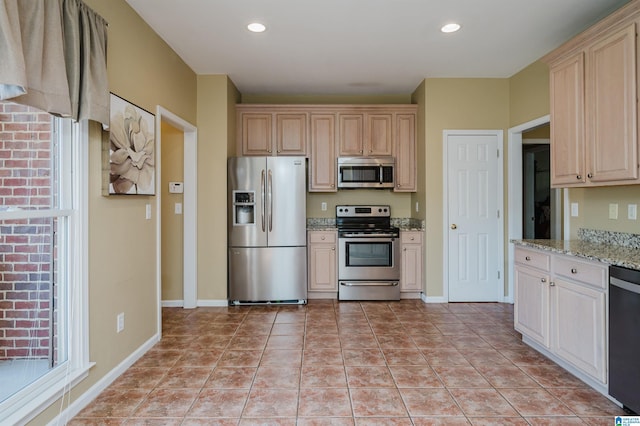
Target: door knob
[(454, 226)]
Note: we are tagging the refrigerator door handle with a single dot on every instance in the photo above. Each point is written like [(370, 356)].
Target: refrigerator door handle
[(270, 194), (262, 195)]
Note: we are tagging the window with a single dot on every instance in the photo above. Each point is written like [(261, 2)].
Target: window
[(43, 345)]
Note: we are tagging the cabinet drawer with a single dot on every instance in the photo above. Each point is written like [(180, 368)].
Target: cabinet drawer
[(532, 258), (410, 237), (328, 237), (584, 271)]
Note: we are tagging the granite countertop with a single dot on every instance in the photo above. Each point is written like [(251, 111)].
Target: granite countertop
[(603, 251)]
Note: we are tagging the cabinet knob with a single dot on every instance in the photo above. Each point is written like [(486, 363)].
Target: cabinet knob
[(528, 258), (574, 271), (322, 238), (412, 238), (589, 175), (544, 280), (333, 248), (552, 284), (279, 151), (398, 185), (579, 177), (360, 151), (404, 249), (332, 185)]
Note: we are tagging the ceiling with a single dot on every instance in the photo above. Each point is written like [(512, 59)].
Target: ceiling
[(350, 47)]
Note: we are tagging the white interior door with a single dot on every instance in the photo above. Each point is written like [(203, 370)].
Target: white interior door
[(473, 190)]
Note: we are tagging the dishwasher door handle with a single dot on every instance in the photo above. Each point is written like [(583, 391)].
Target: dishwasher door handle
[(634, 288)]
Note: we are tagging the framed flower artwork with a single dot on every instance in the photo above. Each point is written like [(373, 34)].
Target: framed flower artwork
[(131, 150)]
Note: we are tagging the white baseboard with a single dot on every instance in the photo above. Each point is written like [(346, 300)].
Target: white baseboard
[(172, 303), (83, 400), (212, 303), (431, 299)]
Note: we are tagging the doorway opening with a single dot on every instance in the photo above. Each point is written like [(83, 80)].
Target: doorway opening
[(541, 204)]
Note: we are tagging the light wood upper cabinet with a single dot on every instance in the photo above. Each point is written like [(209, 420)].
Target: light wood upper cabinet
[(255, 133), (291, 134), (613, 118), (594, 112), (365, 134), (351, 134), (567, 125), (262, 133), (405, 153), (322, 155)]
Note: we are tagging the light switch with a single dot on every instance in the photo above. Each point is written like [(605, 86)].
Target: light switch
[(147, 214), (613, 211), (323, 206), (574, 209), (177, 208), (632, 211)]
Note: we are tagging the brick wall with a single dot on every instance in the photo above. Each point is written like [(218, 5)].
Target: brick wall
[(25, 245)]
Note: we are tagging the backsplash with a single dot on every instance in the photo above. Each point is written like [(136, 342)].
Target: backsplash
[(407, 223), (622, 239)]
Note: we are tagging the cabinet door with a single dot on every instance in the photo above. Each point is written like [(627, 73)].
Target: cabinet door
[(322, 263), (322, 159), (256, 133), (378, 137), (567, 122), (611, 100), (531, 310), (351, 135), (291, 134), (411, 277), (405, 153), (579, 327)]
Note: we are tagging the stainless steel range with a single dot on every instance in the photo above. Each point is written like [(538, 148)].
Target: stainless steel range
[(368, 253)]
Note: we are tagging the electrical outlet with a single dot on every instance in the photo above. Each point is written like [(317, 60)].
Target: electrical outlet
[(417, 207), (632, 211), (613, 211), (323, 206), (147, 213), (177, 208), (120, 322)]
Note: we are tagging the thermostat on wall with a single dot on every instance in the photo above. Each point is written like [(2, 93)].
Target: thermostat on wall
[(176, 187)]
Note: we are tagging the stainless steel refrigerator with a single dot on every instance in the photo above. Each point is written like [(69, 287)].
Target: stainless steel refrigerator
[(267, 230)]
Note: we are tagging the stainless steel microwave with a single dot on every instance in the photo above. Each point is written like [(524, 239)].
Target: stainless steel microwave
[(366, 172)]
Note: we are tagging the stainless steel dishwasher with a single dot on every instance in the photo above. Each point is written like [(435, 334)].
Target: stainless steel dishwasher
[(624, 336)]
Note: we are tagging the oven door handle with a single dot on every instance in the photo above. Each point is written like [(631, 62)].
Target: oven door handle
[(367, 236), (369, 283)]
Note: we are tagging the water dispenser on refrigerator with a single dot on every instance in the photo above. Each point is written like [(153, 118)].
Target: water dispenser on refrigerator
[(244, 207)]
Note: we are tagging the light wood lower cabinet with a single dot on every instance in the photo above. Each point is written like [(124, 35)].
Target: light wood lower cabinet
[(561, 305), (322, 261), (412, 261)]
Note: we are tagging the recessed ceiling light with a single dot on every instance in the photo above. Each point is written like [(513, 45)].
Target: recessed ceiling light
[(450, 28), (256, 27)]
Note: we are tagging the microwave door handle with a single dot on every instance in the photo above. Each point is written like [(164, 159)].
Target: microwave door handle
[(270, 194), (262, 195)]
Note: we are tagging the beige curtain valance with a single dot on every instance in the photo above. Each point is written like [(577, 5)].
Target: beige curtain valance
[(53, 56)]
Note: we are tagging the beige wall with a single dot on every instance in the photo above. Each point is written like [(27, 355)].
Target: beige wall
[(400, 202), (453, 104), (172, 229), (593, 208), (216, 114), (122, 244), (529, 94)]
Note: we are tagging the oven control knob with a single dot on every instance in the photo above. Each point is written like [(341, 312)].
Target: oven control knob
[(379, 210)]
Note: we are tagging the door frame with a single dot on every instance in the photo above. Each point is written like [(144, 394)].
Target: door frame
[(514, 231), (445, 219), (189, 211)]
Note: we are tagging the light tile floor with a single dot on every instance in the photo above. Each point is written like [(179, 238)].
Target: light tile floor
[(346, 363)]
